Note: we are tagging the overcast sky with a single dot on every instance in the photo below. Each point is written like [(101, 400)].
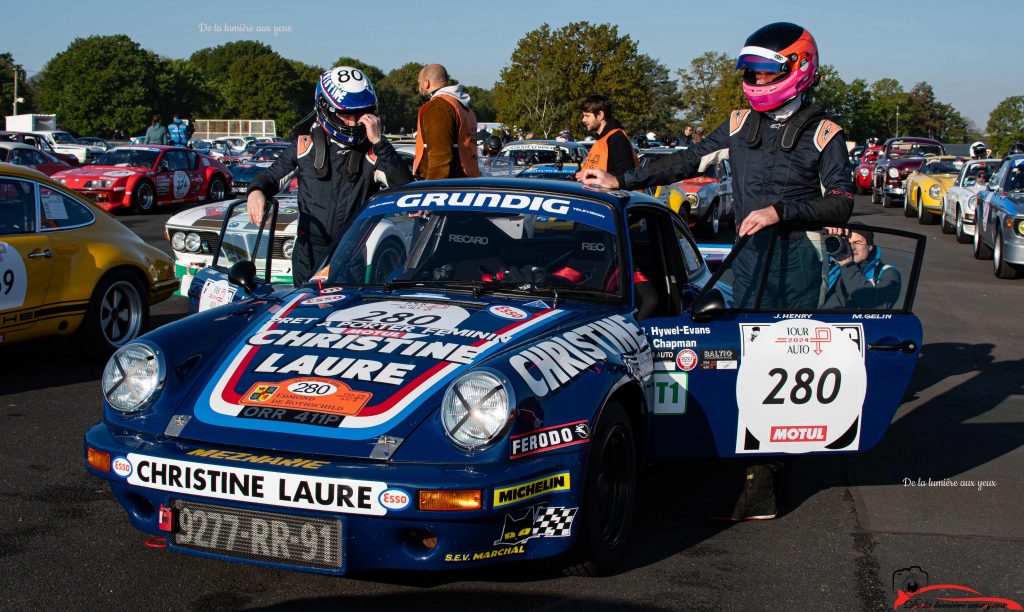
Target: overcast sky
[(969, 51)]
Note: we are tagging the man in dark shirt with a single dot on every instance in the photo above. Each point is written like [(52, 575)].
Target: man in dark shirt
[(612, 152)]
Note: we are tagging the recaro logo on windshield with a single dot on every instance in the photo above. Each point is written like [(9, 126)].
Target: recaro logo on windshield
[(468, 239), (506, 201)]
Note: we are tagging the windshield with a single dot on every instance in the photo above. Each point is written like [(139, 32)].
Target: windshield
[(913, 149), (63, 138), (269, 152), (536, 154), (940, 167), (134, 158), (481, 250)]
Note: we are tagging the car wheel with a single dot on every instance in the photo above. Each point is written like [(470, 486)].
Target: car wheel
[(906, 206), (118, 313), (609, 492), (981, 250), (887, 201), (999, 265), (923, 216), (713, 221), (387, 257), (947, 227), (143, 197), (874, 195), (961, 234), (217, 190)]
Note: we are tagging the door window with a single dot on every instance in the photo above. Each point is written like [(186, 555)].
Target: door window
[(860, 268), (17, 207)]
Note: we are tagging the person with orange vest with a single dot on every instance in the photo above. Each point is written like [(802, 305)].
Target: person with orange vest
[(612, 152), (445, 129)]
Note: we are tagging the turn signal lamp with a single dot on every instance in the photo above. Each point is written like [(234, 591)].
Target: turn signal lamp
[(98, 459), (451, 500)]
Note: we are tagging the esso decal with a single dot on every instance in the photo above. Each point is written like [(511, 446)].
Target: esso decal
[(331, 290), (121, 466), (686, 360), (324, 299), (422, 314), (181, 184), (312, 388), (13, 279), (800, 387), (508, 312), (395, 499)]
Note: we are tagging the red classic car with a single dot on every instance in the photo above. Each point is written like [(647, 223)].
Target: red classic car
[(26, 155), (143, 177), (900, 156), (862, 173)]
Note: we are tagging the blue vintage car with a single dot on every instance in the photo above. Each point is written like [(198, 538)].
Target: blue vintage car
[(999, 219), (492, 390)]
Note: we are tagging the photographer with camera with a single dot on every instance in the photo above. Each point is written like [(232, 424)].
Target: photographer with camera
[(857, 277)]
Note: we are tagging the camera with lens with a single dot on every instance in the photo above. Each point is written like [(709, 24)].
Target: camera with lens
[(838, 247), (909, 579)]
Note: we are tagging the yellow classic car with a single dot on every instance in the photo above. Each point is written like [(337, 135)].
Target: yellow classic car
[(68, 267), (926, 186)]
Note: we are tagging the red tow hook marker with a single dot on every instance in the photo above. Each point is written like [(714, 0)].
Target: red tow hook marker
[(156, 542)]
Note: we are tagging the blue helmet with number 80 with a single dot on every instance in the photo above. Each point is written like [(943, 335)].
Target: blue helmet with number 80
[(344, 89)]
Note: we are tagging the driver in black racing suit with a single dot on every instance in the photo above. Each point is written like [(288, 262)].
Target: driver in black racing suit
[(789, 163), (343, 161)]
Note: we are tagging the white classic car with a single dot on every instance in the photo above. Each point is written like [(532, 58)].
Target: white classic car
[(958, 203)]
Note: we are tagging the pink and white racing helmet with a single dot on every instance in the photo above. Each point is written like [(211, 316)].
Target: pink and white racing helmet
[(781, 47)]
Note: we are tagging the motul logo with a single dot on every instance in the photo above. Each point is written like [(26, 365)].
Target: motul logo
[(814, 433)]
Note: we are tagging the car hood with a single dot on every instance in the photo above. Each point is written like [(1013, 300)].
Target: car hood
[(211, 217), (696, 183), (246, 171), (99, 172), (373, 378)]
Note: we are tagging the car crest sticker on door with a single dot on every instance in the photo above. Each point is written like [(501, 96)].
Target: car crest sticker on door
[(800, 387)]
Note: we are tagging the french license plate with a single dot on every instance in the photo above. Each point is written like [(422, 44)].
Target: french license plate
[(258, 536)]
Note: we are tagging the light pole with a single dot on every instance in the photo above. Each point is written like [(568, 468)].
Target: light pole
[(897, 119), (16, 98)]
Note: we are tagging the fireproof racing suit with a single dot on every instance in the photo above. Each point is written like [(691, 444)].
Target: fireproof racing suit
[(334, 182), (798, 166)]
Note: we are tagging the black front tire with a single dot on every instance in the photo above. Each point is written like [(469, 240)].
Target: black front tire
[(609, 496), (712, 222), (217, 190), (961, 235), (947, 227), (1000, 267), (981, 250), (118, 313), (143, 198)]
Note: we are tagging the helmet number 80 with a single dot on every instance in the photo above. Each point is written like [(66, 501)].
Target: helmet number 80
[(345, 75)]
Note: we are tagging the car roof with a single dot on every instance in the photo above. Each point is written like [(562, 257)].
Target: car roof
[(535, 141), (10, 170), (9, 144)]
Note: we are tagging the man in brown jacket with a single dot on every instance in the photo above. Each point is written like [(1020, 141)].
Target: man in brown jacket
[(445, 129)]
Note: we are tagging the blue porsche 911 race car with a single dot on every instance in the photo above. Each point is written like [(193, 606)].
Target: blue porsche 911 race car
[(491, 389)]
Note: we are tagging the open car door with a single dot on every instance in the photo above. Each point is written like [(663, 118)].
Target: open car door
[(241, 266), (786, 351)]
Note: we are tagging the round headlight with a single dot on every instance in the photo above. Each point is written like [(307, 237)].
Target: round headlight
[(178, 241), (894, 173), (476, 408), (1020, 227), (864, 172), (288, 247), (935, 192), (192, 242), (133, 377)]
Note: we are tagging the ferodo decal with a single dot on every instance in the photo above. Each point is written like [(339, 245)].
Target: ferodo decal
[(549, 364), (523, 491), (400, 366), (302, 491), (550, 438), (445, 316), (13, 279), (311, 394), (537, 522), (800, 387)]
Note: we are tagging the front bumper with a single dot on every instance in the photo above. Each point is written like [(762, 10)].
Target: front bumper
[(408, 538), (1013, 248)]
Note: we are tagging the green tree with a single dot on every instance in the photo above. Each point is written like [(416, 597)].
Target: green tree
[(25, 90), (376, 74), (482, 102), (711, 89), (1006, 124), (101, 83), (887, 99), (398, 100), (579, 59)]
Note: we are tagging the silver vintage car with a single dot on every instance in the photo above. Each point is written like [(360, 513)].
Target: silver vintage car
[(958, 203), (999, 219)]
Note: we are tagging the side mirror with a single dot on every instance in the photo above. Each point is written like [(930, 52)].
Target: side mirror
[(243, 274), (708, 305)]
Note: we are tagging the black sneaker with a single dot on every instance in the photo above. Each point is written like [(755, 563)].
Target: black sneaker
[(756, 501)]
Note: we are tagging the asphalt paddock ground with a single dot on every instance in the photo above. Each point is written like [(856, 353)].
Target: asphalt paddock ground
[(847, 523)]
